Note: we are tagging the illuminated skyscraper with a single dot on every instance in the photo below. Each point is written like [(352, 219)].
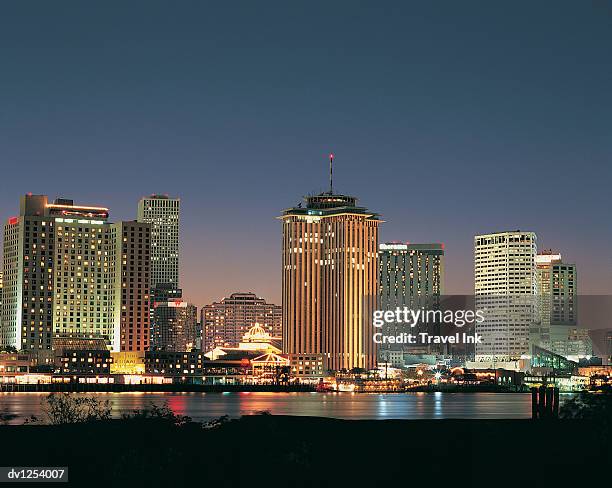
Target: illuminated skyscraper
[(163, 213), (62, 275), (330, 280), (506, 289)]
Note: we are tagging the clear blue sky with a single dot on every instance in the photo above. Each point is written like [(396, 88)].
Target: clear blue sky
[(448, 118)]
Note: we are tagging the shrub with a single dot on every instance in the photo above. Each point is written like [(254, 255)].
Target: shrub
[(67, 408)]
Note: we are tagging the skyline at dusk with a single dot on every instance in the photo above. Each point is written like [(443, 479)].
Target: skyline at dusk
[(448, 120)]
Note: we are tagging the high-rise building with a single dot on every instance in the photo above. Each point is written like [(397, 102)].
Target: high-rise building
[(411, 276), (506, 289), (557, 299), (330, 280), (163, 213), (224, 323), (175, 326), (132, 285), (62, 270)]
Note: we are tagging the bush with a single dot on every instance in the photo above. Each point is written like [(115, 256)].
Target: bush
[(589, 405), (66, 408), (160, 413)]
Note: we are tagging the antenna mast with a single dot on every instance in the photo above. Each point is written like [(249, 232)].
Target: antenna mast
[(331, 174)]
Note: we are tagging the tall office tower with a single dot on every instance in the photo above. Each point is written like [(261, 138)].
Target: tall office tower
[(176, 323), (330, 280), (506, 289), (132, 285), (412, 276), (163, 213), (224, 323), (60, 269)]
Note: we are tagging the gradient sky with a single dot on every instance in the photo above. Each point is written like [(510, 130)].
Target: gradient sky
[(448, 118)]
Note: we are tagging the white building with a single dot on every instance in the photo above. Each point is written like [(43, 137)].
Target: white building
[(506, 290)]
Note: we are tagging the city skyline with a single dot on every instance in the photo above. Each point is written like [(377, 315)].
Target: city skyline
[(237, 286), (450, 100)]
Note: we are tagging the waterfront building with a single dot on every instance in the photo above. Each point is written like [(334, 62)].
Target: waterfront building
[(127, 363), (330, 280), (224, 323), (308, 368), (506, 290), (411, 276), (256, 340), (62, 266), (163, 213), (14, 363)]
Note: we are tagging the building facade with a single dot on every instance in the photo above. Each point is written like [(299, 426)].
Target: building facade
[(132, 285), (412, 276), (557, 328), (330, 280), (506, 291), (175, 326), (163, 213), (225, 322), (62, 275)]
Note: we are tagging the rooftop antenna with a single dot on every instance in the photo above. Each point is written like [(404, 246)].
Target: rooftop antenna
[(331, 174)]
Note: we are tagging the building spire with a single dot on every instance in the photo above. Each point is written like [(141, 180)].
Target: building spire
[(331, 174)]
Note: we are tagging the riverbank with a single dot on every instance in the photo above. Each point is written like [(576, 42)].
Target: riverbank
[(307, 451)]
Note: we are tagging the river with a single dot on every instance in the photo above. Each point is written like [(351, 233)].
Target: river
[(206, 406)]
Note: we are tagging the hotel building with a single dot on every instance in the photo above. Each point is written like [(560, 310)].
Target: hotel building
[(506, 289), (224, 323), (62, 275), (330, 280)]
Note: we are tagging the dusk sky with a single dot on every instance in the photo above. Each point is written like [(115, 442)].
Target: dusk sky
[(448, 118)]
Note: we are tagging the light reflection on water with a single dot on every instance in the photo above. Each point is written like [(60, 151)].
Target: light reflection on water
[(206, 406)]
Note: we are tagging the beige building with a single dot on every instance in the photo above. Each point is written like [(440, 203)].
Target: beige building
[(506, 289), (330, 280)]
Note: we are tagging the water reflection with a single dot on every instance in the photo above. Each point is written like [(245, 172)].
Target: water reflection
[(206, 406)]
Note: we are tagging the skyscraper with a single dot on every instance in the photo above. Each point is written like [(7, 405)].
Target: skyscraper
[(330, 280), (132, 285), (412, 276), (224, 323), (506, 289), (62, 275), (557, 329), (163, 213)]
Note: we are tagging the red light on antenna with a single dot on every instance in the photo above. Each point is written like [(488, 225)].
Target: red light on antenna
[(13, 220), (331, 156)]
